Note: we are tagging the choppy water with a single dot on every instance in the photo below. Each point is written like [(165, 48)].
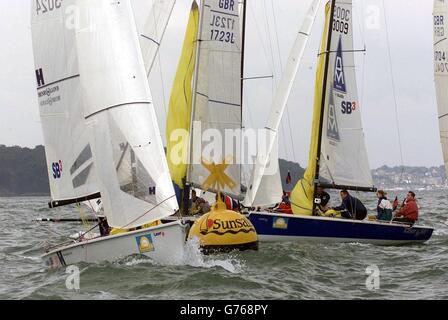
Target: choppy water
[(276, 271)]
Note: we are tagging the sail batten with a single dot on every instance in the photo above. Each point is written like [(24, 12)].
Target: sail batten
[(154, 30)]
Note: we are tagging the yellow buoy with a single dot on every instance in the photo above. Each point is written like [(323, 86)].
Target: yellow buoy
[(223, 230)]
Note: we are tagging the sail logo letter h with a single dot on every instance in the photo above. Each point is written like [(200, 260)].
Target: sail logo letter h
[(339, 75)]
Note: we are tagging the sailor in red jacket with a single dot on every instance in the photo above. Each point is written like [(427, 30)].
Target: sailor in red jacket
[(408, 213)]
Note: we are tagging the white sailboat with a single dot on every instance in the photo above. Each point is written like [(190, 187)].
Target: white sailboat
[(441, 71), (337, 136), (100, 130), (205, 106)]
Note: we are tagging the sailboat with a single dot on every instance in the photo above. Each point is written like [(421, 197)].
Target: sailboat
[(441, 71), (336, 135), (206, 94), (205, 105), (100, 130)]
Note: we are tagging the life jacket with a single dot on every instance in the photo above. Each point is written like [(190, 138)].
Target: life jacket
[(284, 208)]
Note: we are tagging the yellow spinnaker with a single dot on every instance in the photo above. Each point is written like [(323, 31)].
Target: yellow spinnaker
[(302, 194), (179, 112)]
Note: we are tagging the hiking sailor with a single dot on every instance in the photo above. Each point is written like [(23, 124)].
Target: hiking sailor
[(351, 207), (384, 207)]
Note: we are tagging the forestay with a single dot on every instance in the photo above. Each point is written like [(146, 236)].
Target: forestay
[(68, 151), (344, 158), (132, 172), (217, 94), (441, 71)]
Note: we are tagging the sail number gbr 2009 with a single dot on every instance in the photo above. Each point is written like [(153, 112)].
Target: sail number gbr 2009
[(45, 6), (222, 24), (341, 20)]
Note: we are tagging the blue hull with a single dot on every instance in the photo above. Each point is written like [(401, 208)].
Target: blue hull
[(274, 227)]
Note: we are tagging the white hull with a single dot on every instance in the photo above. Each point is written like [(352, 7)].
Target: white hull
[(163, 244)]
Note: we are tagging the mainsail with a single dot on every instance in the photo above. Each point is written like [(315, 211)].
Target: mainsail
[(132, 172), (441, 71), (338, 155), (68, 150), (216, 113), (343, 159), (266, 188)]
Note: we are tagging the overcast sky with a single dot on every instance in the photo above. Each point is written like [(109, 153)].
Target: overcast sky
[(272, 27)]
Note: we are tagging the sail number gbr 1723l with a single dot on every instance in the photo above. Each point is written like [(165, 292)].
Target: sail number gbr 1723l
[(222, 24), (341, 20), (44, 6)]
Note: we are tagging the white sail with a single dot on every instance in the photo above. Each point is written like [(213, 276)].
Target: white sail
[(132, 172), (68, 151), (217, 94), (271, 190), (441, 71), (344, 160), (152, 34)]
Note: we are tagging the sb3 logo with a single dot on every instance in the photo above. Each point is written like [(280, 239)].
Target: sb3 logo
[(57, 169), (348, 107)]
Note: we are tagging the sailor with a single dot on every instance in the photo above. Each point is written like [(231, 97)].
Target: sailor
[(103, 226), (384, 207), (323, 198), (285, 205), (198, 205), (351, 207), (408, 213)]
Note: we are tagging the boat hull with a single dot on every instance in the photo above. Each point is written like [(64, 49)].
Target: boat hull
[(277, 227), (164, 244)]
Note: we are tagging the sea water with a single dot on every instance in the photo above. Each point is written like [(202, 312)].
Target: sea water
[(276, 271)]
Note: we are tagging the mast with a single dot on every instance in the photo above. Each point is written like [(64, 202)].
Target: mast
[(323, 102), (187, 186), (243, 46)]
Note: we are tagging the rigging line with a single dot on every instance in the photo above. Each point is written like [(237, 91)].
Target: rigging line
[(274, 69), (288, 116), (393, 92), (268, 29), (149, 211), (363, 86), (162, 80), (70, 240)]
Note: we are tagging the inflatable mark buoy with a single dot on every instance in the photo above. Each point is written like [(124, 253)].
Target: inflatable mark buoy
[(223, 230)]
